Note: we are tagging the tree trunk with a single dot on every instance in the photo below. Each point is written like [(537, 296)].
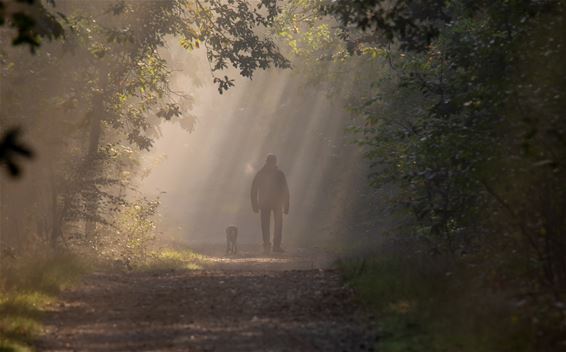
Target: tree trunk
[(91, 206)]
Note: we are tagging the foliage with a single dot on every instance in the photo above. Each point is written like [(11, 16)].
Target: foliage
[(31, 21), (228, 30), (10, 149), (414, 22), (459, 108), (470, 135), (129, 239)]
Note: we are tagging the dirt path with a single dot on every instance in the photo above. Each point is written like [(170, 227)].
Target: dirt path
[(242, 304)]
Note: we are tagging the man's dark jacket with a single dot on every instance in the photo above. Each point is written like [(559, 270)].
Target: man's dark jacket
[(270, 190)]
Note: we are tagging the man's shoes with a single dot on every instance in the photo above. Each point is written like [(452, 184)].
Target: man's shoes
[(278, 249)]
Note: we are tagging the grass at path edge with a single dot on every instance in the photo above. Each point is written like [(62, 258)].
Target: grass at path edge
[(28, 286), (423, 307), (178, 259)]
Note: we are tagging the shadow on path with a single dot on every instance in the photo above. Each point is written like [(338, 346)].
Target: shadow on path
[(240, 305)]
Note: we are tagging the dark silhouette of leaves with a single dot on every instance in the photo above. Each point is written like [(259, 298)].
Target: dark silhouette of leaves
[(11, 149), (31, 20)]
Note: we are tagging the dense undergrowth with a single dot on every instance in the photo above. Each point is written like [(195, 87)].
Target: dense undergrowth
[(424, 303), (459, 107)]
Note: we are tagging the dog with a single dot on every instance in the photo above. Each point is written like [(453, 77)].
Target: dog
[(232, 240)]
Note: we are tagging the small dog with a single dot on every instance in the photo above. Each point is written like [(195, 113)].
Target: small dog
[(232, 240)]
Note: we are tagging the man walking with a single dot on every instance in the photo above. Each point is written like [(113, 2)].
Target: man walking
[(270, 194)]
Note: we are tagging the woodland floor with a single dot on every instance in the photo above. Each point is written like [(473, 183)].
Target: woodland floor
[(291, 302)]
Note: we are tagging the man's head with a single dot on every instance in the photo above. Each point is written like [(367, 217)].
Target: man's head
[(271, 160)]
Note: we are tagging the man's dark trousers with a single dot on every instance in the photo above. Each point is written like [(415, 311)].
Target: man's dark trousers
[(266, 224)]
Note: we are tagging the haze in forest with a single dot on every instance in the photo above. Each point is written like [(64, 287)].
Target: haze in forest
[(203, 176)]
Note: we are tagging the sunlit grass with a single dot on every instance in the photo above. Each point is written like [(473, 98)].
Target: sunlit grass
[(18, 328), (167, 259), (29, 286), (23, 303)]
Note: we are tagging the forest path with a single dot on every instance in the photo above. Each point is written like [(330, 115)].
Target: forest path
[(291, 302)]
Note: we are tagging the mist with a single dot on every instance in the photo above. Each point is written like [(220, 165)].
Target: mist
[(203, 177)]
